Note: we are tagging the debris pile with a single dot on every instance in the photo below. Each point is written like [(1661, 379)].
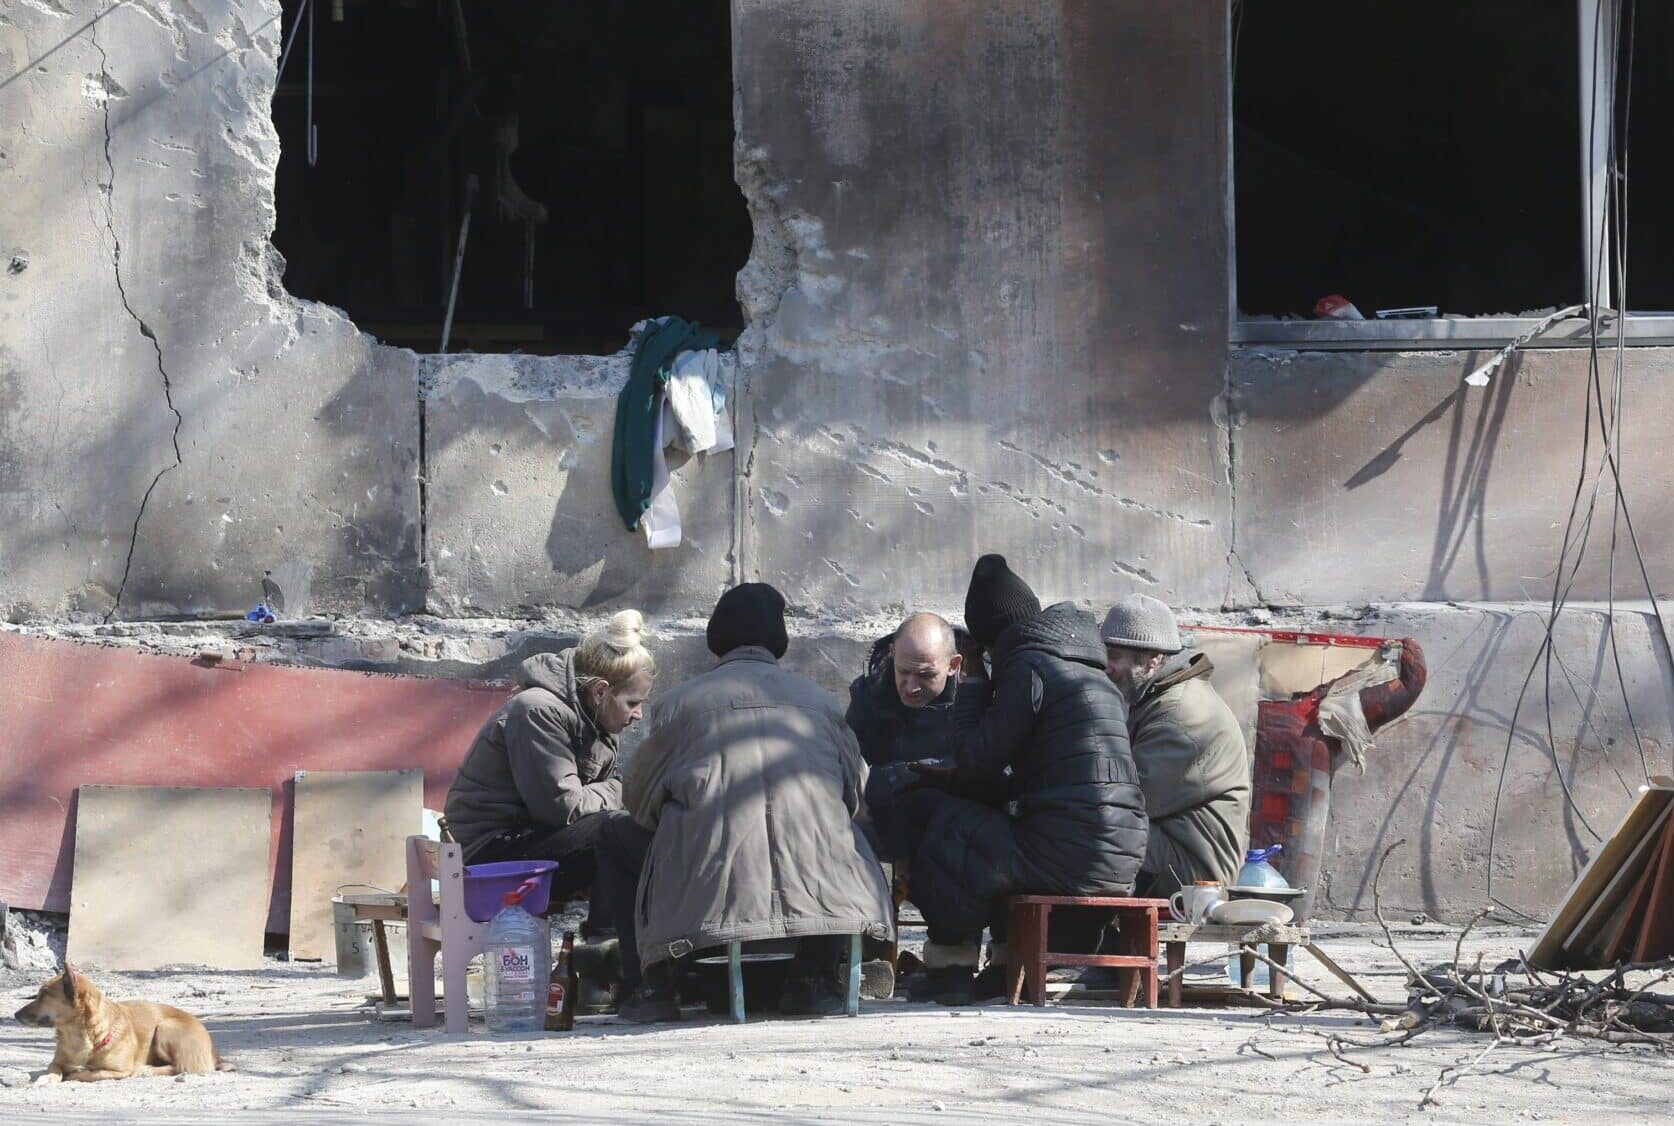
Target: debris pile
[(1520, 1004), (34, 941)]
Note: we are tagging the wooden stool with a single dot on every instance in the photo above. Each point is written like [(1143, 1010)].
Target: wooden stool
[(1029, 959)]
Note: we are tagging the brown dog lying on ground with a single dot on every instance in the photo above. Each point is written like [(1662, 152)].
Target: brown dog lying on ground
[(101, 1039)]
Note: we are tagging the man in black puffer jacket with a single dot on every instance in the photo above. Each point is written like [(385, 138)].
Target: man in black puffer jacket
[(1044, 797)]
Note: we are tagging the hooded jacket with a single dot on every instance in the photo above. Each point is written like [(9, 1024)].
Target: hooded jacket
[(1195, 770), (1052, 731), (539, 761), (751, 781)]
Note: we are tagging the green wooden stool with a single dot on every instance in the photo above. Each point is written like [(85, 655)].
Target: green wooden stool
[(735, 978)]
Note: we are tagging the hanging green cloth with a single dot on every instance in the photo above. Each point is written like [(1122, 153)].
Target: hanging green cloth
[(636, 416)]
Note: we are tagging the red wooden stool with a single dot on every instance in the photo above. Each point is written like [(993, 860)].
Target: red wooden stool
[(1029, 959)]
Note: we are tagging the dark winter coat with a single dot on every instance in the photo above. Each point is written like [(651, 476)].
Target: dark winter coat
[(891, 735), (750, 781), (1048, 738), (1195, 770), (539, 761)]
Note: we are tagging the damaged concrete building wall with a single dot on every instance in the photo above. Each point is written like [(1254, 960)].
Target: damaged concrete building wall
[(965, 352), (174, 424), (986, 310)]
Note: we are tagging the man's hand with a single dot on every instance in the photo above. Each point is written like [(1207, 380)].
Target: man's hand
[(927, 776)]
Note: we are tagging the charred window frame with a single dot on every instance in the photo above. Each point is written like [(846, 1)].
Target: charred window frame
[(1610, 35)]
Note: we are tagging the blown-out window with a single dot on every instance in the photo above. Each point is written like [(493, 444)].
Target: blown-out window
[(590, 146), (1411, 170)]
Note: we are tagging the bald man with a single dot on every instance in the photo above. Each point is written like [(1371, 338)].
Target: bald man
[(901, 711)]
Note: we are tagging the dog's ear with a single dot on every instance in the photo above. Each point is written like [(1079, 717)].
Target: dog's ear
[(69, 982)]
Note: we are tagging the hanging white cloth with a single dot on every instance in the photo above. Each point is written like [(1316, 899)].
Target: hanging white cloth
[(692, 417)]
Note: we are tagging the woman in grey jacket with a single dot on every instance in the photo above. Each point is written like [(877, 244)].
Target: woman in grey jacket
[(543, 769)]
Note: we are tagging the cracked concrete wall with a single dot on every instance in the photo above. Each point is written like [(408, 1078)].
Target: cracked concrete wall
[(173, 424), (1433, 490), (987, 319), (519, 514)]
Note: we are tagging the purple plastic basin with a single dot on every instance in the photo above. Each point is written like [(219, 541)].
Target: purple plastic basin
[(487, 884)]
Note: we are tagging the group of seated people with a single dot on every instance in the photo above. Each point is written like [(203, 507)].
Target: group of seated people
[(1031, 751)]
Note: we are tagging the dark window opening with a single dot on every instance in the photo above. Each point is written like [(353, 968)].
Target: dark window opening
[(1407, 153), (1645, 116), (601, 139)]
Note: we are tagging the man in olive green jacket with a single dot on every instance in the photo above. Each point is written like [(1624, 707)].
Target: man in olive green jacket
[(1193, 763)]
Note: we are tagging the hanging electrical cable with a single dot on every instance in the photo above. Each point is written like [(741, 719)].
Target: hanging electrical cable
[(1609, 415)]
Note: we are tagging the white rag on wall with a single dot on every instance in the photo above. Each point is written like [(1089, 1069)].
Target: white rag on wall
[(691, 417), (1340, 713)]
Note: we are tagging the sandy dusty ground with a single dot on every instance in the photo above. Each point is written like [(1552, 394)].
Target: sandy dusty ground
[(308, 1048)]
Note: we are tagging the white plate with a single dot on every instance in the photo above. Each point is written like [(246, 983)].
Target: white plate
[(1250, 913)]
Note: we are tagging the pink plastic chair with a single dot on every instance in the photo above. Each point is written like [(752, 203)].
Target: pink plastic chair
[(439, 928)]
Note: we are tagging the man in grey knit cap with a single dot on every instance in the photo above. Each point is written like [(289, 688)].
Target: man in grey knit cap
[(1193, 764)]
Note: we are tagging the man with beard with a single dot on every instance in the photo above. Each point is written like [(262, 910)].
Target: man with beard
[(1193, 764)]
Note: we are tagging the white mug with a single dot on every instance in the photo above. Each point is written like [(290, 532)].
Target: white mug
[(1191, 904)]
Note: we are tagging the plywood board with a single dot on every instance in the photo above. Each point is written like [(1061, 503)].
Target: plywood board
[(351, 828), (1656, 938), (1601, 869), (169, 876), (1609, 898), (1288, 668)]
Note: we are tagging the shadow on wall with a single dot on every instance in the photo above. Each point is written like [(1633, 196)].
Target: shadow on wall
[(1465, 470), (1456, 784)]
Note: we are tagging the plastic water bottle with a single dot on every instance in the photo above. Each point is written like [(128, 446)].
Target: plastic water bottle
[(1256, 873), (516, 962)]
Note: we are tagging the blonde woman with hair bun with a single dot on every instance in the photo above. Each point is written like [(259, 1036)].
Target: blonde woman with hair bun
[(540, 781)]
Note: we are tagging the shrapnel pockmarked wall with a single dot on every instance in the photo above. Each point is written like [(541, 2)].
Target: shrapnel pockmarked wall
[(986, 311)]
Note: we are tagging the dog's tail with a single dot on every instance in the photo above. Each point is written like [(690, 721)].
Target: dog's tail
[(223, 1065)]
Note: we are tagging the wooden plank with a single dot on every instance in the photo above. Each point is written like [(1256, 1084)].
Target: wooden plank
[(169, 876), (351, 828), (1614, 942), (1648, 804), (1656, 939), (1608, 903)]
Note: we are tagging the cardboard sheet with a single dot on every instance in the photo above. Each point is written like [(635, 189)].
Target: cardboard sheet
[(169, 876), (351, 828)]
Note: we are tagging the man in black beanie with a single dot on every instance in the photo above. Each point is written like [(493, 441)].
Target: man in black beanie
[(996, 600), (750, 781), (1043, 797), (748, 614)]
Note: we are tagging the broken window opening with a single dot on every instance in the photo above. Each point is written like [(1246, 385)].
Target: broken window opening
[(1407, 153), (603, 157)]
